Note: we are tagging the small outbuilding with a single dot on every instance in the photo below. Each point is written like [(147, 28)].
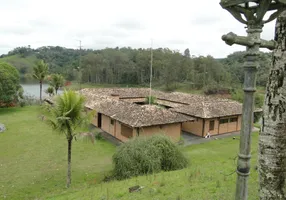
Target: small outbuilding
[(213, 116)]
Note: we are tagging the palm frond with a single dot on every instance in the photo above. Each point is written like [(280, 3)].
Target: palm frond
[(57, 81), (40, 71), (52, 123), (67, 114), (63, 118)]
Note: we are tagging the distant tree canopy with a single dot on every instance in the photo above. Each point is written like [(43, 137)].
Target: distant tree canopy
[(132, 66), (234, 63), (10, 87)]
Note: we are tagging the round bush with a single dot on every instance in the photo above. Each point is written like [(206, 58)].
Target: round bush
[(171, 157), (146, 155), (9, 84)]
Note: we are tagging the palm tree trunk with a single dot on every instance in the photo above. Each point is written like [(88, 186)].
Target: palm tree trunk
[(69, 162), (272, 139), (41, 91)]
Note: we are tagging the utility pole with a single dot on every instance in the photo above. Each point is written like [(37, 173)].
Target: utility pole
[(79, 66), (204, 75), (151, 72)]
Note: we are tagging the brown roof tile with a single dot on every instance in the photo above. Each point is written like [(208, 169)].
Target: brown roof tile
[(189, 104), (131, 114), (211, 109)]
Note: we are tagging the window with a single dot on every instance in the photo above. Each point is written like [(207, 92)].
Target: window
[(111, 121), (127, 131), (211, 128), (234, 119), (223, 121)]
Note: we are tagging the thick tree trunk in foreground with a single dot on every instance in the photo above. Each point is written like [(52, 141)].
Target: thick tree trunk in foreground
[(69, 163), (272, 139)]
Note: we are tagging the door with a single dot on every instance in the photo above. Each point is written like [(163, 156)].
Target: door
[(211, 126), (99, 120)]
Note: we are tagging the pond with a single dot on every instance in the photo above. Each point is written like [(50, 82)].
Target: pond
[(34, 90)]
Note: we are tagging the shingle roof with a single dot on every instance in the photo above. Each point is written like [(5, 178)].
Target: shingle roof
[(131, 114), (189, 104), (211, 109)]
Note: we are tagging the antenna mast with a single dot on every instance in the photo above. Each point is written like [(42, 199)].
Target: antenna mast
[(79, 67), (150, 94)]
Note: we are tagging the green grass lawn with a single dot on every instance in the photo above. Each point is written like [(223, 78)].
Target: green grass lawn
[(33, 159), (209, 176), (33, 166)]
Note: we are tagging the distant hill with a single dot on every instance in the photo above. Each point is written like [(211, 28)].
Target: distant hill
[(130, 66), (58, 58), (24, 65)]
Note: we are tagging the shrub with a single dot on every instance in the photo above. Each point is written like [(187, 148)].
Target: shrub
[(257, 116), (152, 100), (171, 157), (215, 90), (9, 85), (238, 95), (22, 103), (50, 91), (146, 155), (98, 136), (29, 100), (181, 141), (258, 100), (170, 87)]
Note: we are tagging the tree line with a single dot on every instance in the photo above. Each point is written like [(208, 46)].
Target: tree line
[(12, 93), (130, 66), (169, 68)]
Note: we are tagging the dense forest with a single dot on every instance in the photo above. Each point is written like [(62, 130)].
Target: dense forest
[(129, 66)]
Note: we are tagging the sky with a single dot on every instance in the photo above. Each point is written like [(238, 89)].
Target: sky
[(174, 24)]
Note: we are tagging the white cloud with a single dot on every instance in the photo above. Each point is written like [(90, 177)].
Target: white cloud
[(181, 24)]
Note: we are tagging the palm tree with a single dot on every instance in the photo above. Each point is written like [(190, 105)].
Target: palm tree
[(57, 81), (66, 116), (40, 71), (50, 91), (272, 138)]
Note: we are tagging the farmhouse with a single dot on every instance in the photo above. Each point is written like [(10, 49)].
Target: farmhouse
[(125, 120), (123, 113), (212, 116)]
